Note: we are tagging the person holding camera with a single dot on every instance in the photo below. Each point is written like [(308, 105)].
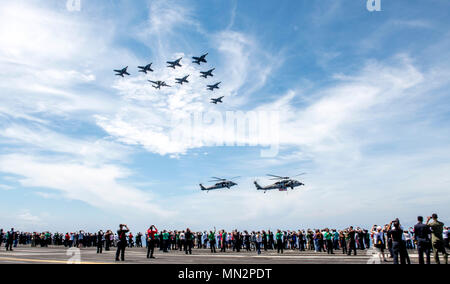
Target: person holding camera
[(100, 236), (437, 229), (151, 232), (398, 244), (379, 241), (122, 241)]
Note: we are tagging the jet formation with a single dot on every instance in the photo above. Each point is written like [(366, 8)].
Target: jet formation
[(174, 64)]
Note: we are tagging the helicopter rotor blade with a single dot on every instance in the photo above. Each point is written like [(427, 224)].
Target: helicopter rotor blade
[(217, 178), (276, 176)]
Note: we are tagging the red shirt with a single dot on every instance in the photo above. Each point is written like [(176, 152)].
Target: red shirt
[(151, 233)]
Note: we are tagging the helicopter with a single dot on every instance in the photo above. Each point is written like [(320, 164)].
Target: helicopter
[(282, 184), (220, 184)]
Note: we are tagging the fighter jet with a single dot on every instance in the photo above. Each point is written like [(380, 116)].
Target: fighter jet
[(220, 184), (199, 60), (217, 101), (282, 184), (174, 64), (145, 69), (122, 72), (215, 86), (207, 73), (182, 80), (158, 84)]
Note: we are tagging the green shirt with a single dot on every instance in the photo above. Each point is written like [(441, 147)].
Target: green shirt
[(327, 236), (165, 236), (279, 236), (437, 229)]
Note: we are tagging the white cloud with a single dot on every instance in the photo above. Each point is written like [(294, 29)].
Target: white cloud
[(27, 217), (40, 138), (98, 186), (5, 187), (150, 118)]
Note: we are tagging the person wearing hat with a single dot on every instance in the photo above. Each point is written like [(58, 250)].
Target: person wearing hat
[(379, 241)]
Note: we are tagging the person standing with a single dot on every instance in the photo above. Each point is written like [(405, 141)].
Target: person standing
[(166, 241), (1, 237), (379, 242), (189, 241), (100, 236), (108, 236), (446, 237), (437, 229), (398, 244), (224, 241), (10, 240), (422, 237), (343, 241), (351, 241), (205, 240), (139, 240), (329, 241), (122, 241), (335, 235), (247, 241), (279, 239), (259, 239), (264, 236), (237, 241), (151, 232), (212, 240), (182, 240)]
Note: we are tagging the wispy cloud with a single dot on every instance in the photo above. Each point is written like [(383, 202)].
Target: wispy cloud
[(98, 186)]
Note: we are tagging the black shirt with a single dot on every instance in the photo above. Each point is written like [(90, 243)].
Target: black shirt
[(351, 235), (396, 234), (422, 232), (122, 235)]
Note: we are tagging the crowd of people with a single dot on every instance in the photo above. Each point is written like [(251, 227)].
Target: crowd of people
[(427, 238)]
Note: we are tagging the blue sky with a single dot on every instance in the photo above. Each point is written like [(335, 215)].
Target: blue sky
[(362, 99)]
